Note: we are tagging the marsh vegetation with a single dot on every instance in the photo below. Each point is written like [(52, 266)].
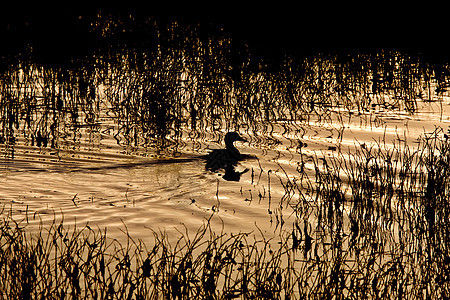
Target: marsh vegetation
[(346, 215), (375, 226)]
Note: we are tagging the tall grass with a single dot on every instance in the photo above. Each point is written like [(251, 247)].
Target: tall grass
[(381, 215), (58, 262)]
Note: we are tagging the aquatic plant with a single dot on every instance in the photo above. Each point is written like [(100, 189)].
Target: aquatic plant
[(380, 215)]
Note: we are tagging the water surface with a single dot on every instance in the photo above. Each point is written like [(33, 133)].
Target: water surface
[(118, 139)]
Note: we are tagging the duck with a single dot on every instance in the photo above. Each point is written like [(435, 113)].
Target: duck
[(225, 158)]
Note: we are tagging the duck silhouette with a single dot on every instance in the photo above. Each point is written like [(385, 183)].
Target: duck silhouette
[(227, 158)]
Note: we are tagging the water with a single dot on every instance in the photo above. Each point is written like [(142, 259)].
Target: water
[(117, 139), (342, 184), (96, 180)]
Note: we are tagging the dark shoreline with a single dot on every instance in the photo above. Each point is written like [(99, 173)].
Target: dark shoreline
[(61, 35)]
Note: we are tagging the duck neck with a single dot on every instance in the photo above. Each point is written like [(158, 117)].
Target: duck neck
[(230, 147)]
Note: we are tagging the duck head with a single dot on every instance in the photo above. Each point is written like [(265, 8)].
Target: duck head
[(232, 137)]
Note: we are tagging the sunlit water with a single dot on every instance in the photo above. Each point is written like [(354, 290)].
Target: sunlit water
[(119, 145), (102, 184)]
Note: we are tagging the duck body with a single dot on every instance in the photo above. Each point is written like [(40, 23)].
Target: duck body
[(225, 158)]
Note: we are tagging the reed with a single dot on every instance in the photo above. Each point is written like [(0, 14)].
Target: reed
[(377, 218), (58, 262)]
